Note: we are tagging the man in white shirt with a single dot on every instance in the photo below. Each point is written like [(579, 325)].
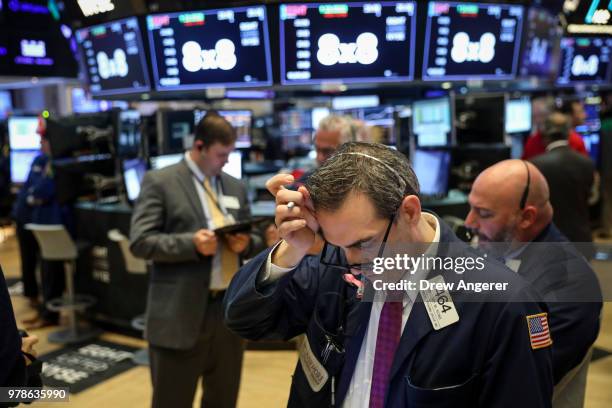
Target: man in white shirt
[(456, 350), (173, 225)]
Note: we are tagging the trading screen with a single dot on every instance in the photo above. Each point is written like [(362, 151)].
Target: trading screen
[(114, 57), (469, 40), (211, 48), (584, 60), (347, 42)]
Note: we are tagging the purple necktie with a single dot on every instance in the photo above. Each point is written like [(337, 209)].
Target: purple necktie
[(387, 340)]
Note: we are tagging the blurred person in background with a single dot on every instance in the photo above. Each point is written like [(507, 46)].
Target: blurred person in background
[(570, 176), (606, 165), (36, 203), (574, 109)]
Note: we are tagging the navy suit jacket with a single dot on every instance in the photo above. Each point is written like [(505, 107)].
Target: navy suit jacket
[(568, 285), (12, 363), (483, 360)]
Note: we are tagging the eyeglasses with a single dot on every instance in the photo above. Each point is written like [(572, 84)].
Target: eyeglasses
[(358, 266)]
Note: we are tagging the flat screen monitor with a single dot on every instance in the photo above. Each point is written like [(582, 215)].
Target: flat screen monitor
[(432, 168), (159, 162), (22, 133), (480, 119), (518, 115), (128, 133), (210, 48), (133, 172), (21, 161), (38, 52), (114, 57), (6, 104), (584, 60), (472, 40), (233, 167), (241, 121), (541, 44), (432, 122), (175, 128), (347, 42)]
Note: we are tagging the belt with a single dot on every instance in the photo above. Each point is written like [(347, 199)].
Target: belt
[(215, 294)]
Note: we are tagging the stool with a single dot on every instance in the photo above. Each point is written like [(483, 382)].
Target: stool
[(56, 245), (135, 266)]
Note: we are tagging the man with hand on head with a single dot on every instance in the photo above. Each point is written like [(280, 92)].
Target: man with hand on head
[(396, 351), (173, 225), (511, 214)]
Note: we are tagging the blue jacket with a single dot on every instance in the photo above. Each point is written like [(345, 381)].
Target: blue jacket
[(571, 290), (12, 364), (483, 360), (44, 209)]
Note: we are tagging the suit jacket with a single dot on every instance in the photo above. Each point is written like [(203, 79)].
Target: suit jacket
[(12, 366), (166, 215), (483, 360), (570, 178), (568, 285)]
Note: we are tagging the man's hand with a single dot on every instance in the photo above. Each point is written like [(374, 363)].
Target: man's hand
[(27, 346), (271, 235), (238, 243), (205, 242), (296, 226)]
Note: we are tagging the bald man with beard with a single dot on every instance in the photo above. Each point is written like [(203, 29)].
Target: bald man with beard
[(511, 217)]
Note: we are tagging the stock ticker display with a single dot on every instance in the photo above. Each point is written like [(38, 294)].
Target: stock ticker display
[(347, 42), (114, 57), (210, 48), (471, 40)]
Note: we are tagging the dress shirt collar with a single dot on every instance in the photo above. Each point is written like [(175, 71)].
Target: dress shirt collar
[(558, 143)]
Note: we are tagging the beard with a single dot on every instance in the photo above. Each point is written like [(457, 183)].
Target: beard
[(497, 245)]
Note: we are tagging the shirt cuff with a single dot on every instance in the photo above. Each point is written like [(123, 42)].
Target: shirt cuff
[(271, 272)]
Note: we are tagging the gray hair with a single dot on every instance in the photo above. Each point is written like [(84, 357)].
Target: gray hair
[(384, 175), (340, 124)]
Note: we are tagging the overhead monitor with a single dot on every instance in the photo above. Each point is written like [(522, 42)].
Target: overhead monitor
[(210, 48), (133, 173), (36, 52), (541, 44), (21, 162), (588, 16), (432, 168), (432, 122), (128, 133), (159, 162), (584, 60), (114, 57), (22, 133), (518, 115), (347, 42), (472, 40)]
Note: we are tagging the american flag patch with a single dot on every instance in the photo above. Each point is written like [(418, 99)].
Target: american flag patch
[(539, 332)]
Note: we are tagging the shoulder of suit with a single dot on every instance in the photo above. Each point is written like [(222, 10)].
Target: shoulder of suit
[(228, 178)]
